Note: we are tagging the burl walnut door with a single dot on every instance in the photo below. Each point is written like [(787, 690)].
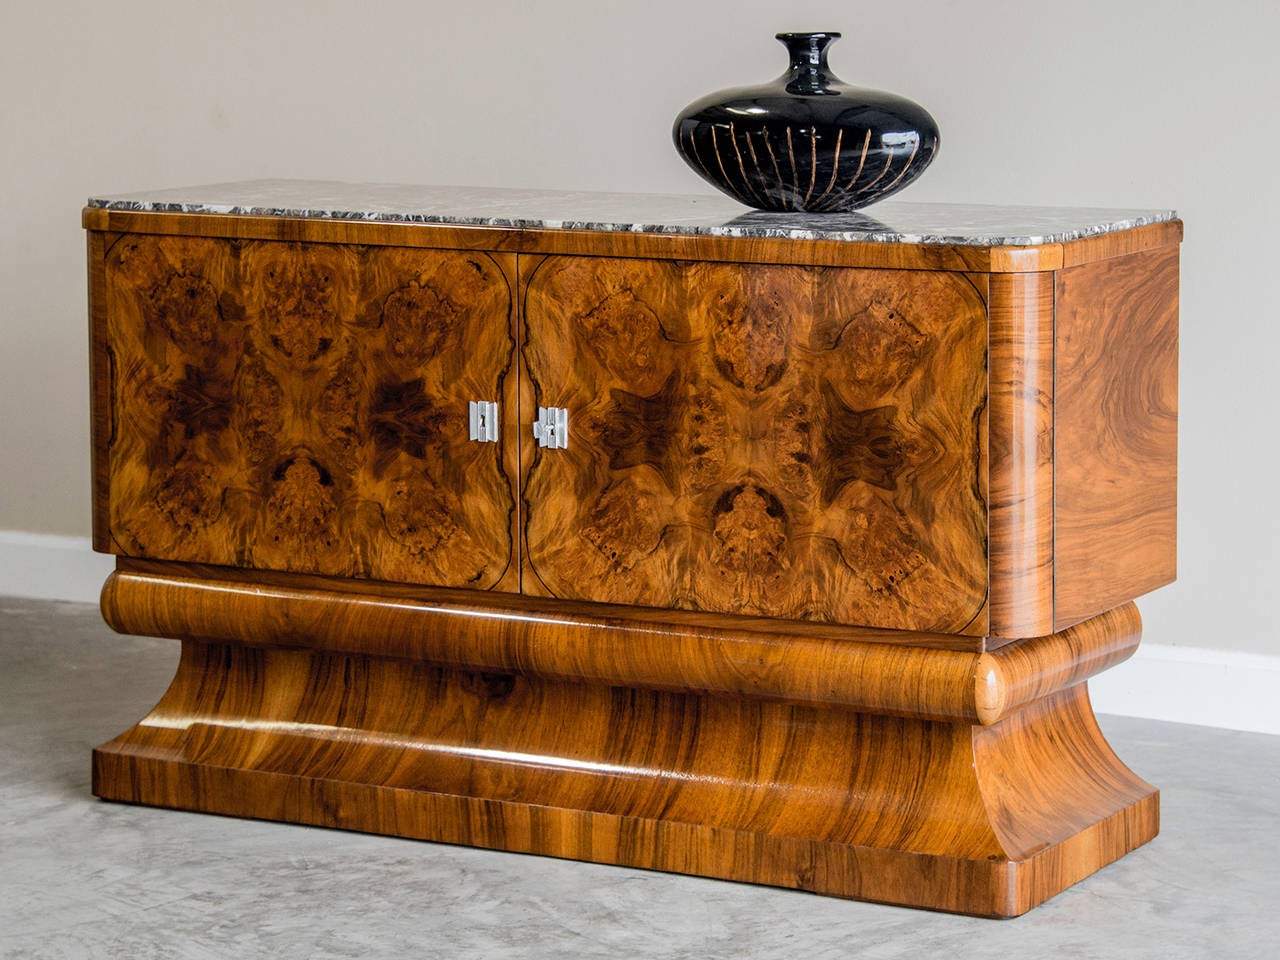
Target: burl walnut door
[(304, 407), (782, 441)]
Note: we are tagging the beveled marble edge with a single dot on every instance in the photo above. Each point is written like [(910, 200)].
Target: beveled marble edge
[(889, 222)]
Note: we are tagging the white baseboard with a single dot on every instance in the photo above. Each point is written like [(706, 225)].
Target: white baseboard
[(1214, 688), (1211, 688), (50, 567)]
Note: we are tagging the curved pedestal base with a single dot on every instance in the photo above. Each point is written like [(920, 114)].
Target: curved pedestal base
[(950, 814)]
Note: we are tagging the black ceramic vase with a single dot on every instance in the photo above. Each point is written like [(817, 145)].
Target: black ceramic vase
[(808, 140)]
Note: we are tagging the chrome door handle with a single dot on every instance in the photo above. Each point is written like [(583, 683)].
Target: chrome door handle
[(484, 420), (551, 429)]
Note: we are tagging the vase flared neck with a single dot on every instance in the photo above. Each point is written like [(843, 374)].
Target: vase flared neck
[(808, 72)]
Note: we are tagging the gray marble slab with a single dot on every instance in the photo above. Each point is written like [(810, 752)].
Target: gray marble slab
[(889, 222)]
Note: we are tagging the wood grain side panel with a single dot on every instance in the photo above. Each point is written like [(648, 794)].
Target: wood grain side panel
[(1116, 432), (1021, 438), (304, 407), (101, 364), (777, 441), (1122, 243)]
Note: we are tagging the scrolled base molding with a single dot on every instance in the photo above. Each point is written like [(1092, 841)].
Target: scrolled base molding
[(980, 784), (1232, 689)]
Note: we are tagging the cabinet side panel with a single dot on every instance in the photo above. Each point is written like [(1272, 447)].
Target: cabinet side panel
[(100, 414), (774, 441), (1116, 435), (1021, 431)]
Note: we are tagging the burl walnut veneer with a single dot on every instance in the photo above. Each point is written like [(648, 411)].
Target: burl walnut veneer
[(807, 593)]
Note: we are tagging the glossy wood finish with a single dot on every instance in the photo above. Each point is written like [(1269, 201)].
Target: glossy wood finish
[(546, 608), (304, 407), (1021, 418), (1116, 437), (976, 444), (866, 670), (904, 256), (1021, 509), (776, 441), (1121, 244), (953, 816), (100, 411)]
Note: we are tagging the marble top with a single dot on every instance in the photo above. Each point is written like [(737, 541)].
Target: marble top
[(888, 222)]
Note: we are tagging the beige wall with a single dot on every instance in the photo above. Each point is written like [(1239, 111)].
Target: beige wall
[(1121, 103)]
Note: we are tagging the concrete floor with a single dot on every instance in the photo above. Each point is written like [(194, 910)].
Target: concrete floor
[(83, 878)]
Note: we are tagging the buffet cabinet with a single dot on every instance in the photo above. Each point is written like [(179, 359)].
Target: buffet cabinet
[(779, 560)]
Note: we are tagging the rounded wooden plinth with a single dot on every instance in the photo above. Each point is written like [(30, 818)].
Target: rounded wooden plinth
[(969, 781)]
